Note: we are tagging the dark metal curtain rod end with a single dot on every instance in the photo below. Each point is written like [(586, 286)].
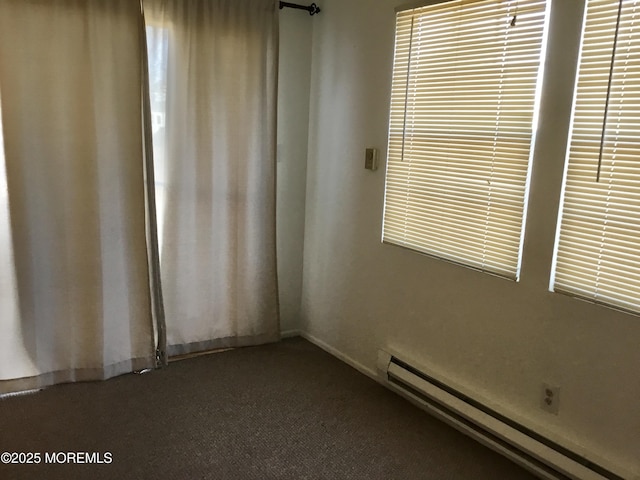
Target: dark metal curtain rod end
[(312, 9)]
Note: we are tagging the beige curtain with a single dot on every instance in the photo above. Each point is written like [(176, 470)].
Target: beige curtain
[(213, 67), (75, 301)]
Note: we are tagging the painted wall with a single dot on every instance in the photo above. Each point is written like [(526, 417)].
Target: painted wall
[(499, 338), (293, 128)]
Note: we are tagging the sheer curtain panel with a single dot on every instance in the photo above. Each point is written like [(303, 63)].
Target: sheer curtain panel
[(74, 285), (213, 67)]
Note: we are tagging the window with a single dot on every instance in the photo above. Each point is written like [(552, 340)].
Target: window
[(599, 227), (157, 52), (463, 106), (6, 246)]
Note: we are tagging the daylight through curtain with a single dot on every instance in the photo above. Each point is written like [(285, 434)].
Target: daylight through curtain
[(212, 70), (75, 300)]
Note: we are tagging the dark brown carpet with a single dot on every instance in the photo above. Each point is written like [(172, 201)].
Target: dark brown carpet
[(283, 411)]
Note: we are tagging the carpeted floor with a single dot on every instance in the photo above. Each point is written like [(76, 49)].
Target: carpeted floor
[(283, 411)]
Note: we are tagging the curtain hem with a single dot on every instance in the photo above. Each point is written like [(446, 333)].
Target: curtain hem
[(226, 342), (76, 375)]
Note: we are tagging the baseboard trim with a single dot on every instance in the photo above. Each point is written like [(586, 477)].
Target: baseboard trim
[(289, 333), (341, 356), (624, 471)]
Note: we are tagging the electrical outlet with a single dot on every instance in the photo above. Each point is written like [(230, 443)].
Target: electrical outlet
[(550, 398)]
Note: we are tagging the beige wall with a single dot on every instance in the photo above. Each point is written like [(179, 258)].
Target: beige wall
[(293, 129), (499, 338)]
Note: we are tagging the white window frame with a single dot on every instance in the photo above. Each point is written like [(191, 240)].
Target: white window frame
[(497, 253), (600, 271)]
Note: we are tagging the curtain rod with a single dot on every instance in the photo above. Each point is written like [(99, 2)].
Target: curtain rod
[(312, 9)]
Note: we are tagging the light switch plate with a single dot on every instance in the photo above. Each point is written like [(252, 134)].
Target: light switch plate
[(371, 159)]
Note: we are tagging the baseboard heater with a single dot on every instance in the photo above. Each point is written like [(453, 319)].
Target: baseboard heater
[(539, 455)]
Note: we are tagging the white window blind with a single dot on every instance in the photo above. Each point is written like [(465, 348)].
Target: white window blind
[(598, 247), (463, 106)]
